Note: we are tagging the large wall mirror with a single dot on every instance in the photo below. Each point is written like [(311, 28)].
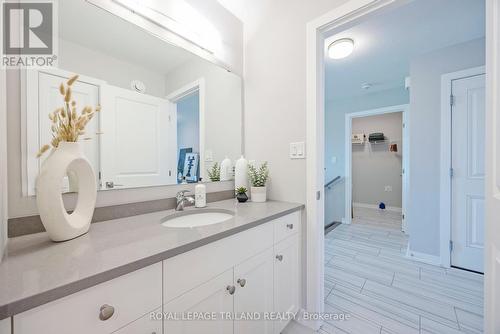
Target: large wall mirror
[(167, 115)]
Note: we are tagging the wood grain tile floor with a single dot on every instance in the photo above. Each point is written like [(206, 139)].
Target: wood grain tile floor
[(369, 278)]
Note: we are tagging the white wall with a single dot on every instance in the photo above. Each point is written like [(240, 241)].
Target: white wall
[(81, 60), (188, 122), (425, 104), (275, 87), (335, 111), (373, 166), (223, 105)]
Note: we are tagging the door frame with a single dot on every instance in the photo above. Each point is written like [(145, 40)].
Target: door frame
[(3, 162), (446, 159), (315, 111), (405, 110), (195, 86), (316, 30)]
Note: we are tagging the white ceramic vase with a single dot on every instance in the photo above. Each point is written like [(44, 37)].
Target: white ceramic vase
[(68, 158), (258, 194)]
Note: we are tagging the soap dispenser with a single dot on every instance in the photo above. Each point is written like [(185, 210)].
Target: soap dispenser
[(200, 195)]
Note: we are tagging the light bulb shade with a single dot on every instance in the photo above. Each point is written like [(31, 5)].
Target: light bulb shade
[(341, 48)]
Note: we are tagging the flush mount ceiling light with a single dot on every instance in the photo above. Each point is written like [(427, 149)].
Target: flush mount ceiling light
[(341, 48)]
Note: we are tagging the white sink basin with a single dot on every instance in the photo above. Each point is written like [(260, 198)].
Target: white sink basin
[(197, 218)]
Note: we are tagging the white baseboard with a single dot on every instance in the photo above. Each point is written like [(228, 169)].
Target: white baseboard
[(423, 257), (373, 206)]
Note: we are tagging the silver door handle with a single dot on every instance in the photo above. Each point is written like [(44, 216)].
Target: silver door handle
[(242, 282), (279, 257), (290, 226), (231, 289), (106, 312)]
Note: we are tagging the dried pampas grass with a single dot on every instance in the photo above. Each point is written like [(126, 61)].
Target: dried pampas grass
[(67, 124)]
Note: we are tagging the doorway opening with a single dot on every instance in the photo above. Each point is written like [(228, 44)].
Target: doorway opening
[(377, 165), (397, 55), (189, 107)]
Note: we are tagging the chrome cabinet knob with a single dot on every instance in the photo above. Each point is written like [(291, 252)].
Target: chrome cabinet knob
[(279, 257), (106, 312), (290, 226), (242, 282), (231, 289)]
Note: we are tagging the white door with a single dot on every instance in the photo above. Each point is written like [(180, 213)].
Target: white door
[(286, 279), (49, 99), (210, 297), (139, 140), (254, 293), (468, 163)]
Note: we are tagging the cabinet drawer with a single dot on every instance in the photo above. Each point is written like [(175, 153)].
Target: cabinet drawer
[(286, 226), (132, 296), (144, 325), (186, 271)]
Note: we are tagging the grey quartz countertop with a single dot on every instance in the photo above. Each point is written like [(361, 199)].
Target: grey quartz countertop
[(36, 270)]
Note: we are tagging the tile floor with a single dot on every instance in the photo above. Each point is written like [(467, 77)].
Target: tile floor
[(369, 278)]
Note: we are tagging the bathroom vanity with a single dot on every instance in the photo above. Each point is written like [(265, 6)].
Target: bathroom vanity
[(127, 271)]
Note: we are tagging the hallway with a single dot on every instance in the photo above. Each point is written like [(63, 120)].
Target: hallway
[(368, 276)]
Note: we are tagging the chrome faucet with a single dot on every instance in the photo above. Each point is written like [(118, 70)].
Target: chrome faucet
[(182, 199)]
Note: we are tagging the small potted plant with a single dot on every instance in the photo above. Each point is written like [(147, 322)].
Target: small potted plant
[(241, 194), (214, 173), (258, 179)]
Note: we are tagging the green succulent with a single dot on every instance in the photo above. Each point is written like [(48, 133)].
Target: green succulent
[(258, 176), (214, 173), (241, 190)]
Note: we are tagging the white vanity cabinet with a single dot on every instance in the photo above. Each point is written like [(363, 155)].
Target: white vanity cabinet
[(254, 294), (235, 285), (104, 308), (286, 279), (252, 274), (208, 300)]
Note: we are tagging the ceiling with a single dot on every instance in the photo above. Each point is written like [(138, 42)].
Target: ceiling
[(385, 43), (96, 29)]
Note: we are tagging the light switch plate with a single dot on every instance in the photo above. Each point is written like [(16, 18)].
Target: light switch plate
[(297, 150)]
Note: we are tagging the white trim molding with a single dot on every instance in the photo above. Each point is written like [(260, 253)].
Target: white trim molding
[(445, 167), (316, 31), (195, 86), (423, 257)]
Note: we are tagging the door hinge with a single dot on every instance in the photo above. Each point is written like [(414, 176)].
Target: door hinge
[(404, 125), (452, 100), (403, 216), (99, 175), (403, 170), (318, 195), (452, 172), (451, 246)]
